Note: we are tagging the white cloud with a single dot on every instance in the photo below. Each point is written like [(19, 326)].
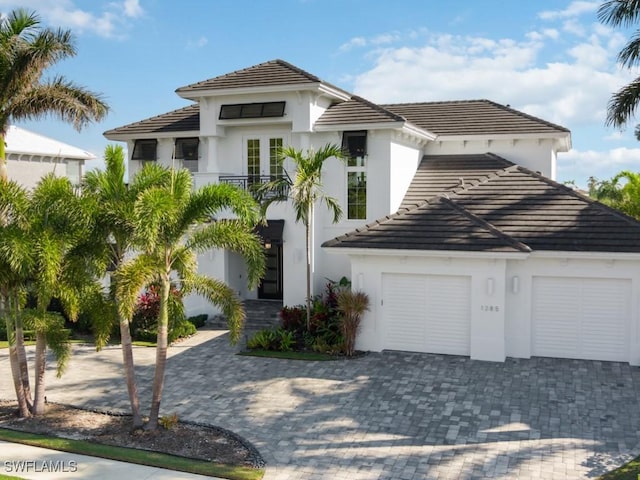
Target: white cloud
[(110, 22), (575, 8), (353, 43), (132, 8), (572, 90), (199, 43), (580, 165)]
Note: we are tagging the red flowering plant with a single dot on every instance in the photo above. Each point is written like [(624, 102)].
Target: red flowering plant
[(144, 324)]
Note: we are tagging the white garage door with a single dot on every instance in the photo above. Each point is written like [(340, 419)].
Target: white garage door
[(584, 318), (426, 313)]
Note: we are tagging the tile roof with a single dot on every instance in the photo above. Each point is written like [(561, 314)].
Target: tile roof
[(185, 119), (268, 74), (356, 110), (471, 117), (522, 209)]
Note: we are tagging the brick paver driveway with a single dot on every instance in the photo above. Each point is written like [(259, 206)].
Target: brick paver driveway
[(389, 415)]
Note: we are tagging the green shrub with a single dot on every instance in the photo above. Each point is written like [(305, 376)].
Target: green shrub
[(199, 320), (182, 330), (285, 339), (265, 339)]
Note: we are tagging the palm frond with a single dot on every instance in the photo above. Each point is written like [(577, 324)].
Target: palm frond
[(220, 294), (629, 56), (623, 104), (63, 99), (131, 277), (619, 12), (234, 236)]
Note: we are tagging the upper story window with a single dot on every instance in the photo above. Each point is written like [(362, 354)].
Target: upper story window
[(355, 143), (145, 150), (186, 149), (252, 110)]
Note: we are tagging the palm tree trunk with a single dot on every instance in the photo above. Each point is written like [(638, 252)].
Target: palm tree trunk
[(23, 405), (3, 159), (41, 355), (22, 354), (308, 227), (161, 353), (129, 371)]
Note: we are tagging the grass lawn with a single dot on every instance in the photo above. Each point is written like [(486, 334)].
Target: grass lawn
[(137, 343), (289, 355), (628, 471), (8, 477), (130, 455)]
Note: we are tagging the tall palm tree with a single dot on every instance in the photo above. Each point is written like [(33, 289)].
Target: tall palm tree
[(43, 253), (623, 103), (26, 51), (174, 224), (304, 189), (622, 192), (115, 201)]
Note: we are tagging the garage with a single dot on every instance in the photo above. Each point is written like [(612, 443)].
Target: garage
[(585, 318), (426, 313)]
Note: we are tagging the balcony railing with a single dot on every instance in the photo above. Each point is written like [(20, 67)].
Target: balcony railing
[(252, 184)]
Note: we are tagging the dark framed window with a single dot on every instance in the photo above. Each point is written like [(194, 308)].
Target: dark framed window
[(187, 148), (355, 145), (252, 110), (145, 150)]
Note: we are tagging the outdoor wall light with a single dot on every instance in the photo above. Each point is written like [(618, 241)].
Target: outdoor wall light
[(490, 286), (267, 244)]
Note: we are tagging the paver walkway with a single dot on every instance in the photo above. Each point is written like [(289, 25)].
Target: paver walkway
[(387, 415)]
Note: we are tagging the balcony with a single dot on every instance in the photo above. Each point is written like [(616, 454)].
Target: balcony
[(251, 184)]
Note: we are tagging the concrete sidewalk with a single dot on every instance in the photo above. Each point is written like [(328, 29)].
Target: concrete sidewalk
[(37, 463)]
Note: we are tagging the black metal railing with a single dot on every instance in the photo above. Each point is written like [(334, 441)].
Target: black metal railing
[(254, 184)]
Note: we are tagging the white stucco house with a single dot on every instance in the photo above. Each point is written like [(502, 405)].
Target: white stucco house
[(454, 224), (30, 156)]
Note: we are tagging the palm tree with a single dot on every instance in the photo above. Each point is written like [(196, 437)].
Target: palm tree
[(622, 192), (26, 51), (304, 189), (623, 103), (174, 224), (43, 253), (114, 200)]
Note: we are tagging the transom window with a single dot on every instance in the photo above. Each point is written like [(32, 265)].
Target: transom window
[(145, 150), (252, 110), (355, 144)]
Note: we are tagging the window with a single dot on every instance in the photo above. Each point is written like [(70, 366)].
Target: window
[(275, 166), (355, 143), (187, 148), (145, 150), (252, 110), (253, 157)]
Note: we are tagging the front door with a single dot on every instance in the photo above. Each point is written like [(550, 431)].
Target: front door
[(271, 286)]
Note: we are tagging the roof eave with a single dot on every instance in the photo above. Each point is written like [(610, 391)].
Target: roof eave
[(197, 93), (563, 138), (123, 137), (626, 256), (359, 126), (388, 252)]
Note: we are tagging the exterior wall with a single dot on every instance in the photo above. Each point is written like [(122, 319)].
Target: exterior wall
[(534, 154), (501, 317), (28, 174), (404, 161)]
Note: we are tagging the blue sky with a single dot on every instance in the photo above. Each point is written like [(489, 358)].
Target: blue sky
[(549, 58)]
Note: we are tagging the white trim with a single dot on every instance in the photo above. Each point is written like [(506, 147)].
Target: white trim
[(388, 252), (222, 92), (153, 135)]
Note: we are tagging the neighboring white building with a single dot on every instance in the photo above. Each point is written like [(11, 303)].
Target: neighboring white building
[(453, 222), (30, 156)]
